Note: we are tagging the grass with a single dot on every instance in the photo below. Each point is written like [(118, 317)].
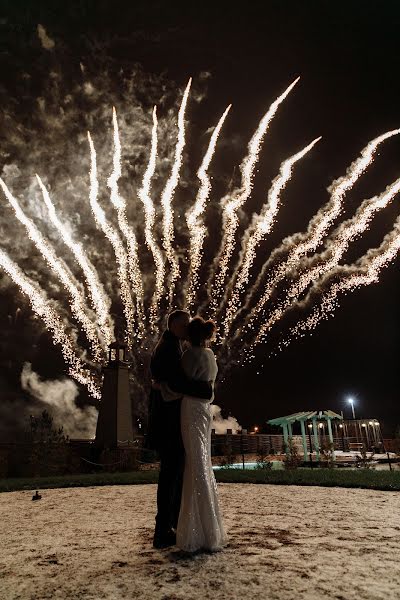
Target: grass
[(352, 478), (80, 480), (363, 478)]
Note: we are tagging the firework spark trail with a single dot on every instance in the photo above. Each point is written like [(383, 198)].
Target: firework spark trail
[(168, 193), (364, 272), (149, 213), (195, 223), (100, 301), (328, 260), (232, 203), (113, 237), (300, 244), (42, 307), (120, 205), (77, 300), (261, 226)]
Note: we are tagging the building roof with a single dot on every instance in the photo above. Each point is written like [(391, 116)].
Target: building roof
[(305, 416)]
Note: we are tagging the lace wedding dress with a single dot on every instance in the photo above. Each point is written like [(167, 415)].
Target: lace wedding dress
[(199, 525)]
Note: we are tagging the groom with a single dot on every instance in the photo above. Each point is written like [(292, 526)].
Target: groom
[(164, 426)]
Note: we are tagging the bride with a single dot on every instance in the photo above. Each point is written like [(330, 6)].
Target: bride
[(200, 525)]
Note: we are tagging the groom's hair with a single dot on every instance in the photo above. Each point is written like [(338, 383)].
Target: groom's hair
[(176, 314)]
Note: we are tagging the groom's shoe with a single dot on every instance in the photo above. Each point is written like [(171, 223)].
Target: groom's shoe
[(164, 540)]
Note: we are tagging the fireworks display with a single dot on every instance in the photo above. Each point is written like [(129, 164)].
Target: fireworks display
[(167, 197), (155, 272)]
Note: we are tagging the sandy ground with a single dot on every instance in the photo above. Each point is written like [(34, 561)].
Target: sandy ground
[(285, 543)]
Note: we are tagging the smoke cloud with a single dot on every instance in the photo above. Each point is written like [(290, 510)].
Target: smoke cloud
[(59, 396), (220, 424)]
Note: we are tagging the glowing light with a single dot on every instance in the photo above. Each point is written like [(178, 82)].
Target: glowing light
[(43, 308), (299, 245), (113, 237), (196, 226), (364, 272), (232, 203), (100, 302), (261, 226), (168, 193), (149, 212), (120, 204), (337, 246), (77, 300)]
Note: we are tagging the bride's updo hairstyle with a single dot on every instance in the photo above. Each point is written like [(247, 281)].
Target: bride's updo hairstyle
[(200, 331)]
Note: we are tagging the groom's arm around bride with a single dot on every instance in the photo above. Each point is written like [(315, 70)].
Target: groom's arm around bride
[(166, 367)]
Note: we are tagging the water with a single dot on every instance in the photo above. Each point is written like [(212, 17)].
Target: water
[(276, 465)]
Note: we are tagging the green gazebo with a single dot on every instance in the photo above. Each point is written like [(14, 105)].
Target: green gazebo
[(315, 417)]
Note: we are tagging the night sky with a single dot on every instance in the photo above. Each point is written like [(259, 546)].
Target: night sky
[(348, 57)]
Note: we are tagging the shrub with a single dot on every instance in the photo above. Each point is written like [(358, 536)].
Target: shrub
[(262, 454), (292, 459), (49, 449), (363, 460), (327, 454)]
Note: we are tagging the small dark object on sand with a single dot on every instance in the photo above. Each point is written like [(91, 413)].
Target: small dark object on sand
[(36, 496)]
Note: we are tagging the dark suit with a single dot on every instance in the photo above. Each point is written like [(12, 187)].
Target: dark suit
[(164, 427)]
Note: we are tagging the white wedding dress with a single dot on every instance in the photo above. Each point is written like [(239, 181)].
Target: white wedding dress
[(199, 525)]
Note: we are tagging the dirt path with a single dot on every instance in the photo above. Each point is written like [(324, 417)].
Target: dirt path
[(285, 543)]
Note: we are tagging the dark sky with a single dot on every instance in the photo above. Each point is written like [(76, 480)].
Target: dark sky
[(348, 57)]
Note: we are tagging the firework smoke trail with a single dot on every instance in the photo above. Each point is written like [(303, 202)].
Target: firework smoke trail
[(100, 301), (53, 322), (260, 227), (231, 204), (195, 224), (328, 260), (299, 245), (77, 300), (149, 215), (168, 193), (364, 272), (119, 203), (113, 237)]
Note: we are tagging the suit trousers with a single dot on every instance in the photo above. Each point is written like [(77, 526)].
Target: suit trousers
[(172, 463)]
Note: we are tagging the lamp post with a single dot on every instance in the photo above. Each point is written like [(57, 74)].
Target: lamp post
[(309, 437), (351, 401), (342, 430)]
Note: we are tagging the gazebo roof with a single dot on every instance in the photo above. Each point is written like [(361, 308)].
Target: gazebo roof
[(305, 416)]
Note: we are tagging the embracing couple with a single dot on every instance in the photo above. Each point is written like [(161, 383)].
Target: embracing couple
[(183, 370)]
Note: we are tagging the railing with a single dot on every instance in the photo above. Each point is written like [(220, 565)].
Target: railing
[(274, 443)]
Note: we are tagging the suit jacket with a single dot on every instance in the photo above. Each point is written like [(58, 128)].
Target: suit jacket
[(164, 417)]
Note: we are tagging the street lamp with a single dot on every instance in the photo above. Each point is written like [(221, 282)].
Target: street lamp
[(309, 439), (351, 401)]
